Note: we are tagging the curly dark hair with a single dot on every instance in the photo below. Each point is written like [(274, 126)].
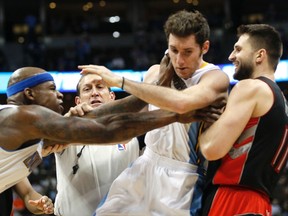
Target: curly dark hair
[(185, 23)]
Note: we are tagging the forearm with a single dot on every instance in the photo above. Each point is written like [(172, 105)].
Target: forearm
[(106, 129), (127, 104), (152, 94), (124, 127)]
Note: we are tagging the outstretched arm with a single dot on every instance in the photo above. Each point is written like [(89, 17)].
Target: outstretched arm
[(132, 103), (207, 91), (127, 104), (34, 122), (85, 110), (108, 129)]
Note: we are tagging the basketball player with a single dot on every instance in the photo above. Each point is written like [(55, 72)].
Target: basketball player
[(32, 116), (250, 137), (169, 177)]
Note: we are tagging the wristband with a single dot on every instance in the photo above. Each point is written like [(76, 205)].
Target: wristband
[(123, 81)]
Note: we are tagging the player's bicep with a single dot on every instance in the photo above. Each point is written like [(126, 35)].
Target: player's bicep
[(238, 111), (237, 114), (216, 83)]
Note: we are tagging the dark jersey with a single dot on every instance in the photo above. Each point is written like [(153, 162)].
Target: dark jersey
[(258, 157)]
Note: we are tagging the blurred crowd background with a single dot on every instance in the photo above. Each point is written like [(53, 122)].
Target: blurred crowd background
[(128, 34), (60, 34)]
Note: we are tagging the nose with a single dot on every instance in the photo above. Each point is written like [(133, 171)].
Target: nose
[(231, 57), (179, 59), (59, 95), (95, 91)]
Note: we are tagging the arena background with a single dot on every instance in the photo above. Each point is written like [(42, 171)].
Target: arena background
[(61, 34)]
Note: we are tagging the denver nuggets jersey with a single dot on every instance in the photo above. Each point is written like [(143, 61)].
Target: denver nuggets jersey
[(168, 178), (18, 164), (178, 141)]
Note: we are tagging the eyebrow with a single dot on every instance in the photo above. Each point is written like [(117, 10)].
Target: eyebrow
[(237, 46)]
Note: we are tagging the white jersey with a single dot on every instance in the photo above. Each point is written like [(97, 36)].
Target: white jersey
[(178, 141), (168, 178), (18, 164), (80, 193)]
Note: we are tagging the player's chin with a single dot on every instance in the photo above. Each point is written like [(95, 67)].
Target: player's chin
[(60, 109), (183, 73)]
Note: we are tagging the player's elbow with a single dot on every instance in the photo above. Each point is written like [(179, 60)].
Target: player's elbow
[(209, 153), (181, 110), (206, 153)]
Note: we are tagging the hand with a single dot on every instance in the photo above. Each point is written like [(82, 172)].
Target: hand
[(79, 110), (166, 72), (212, 113), (53, 149), (107, 75), (43, 204), (220, 103), (208, 114)]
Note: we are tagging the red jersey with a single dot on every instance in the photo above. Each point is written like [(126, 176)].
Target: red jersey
[(252, 168), (260, 153)]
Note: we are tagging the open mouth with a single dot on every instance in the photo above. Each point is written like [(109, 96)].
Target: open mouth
[(181, 69), (95, 102)]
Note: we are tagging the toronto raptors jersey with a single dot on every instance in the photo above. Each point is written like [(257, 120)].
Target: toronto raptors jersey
[(260, 153)]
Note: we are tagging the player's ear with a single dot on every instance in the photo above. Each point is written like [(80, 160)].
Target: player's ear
[(260, 55), (205, 47), (112, 95), (77, 100), (28, 92)]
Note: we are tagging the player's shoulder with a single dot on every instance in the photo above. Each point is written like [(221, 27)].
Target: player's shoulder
[(152, 73), (28, 113), (31, 109), (215, 74), (212, 70), (154, 68), (252, 88), (251, 83)]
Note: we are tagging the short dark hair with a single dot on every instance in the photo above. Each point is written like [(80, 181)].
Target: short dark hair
[(263, 36), (184, 23), (78, 85)]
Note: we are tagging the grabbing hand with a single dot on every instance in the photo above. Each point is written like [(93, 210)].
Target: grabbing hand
[(79, 110), (208, 114), (107, 75), (53, 149), (166, 72), (212, 113), (43, 204)]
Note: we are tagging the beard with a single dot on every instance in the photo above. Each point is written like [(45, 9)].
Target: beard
[(244, 72)]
